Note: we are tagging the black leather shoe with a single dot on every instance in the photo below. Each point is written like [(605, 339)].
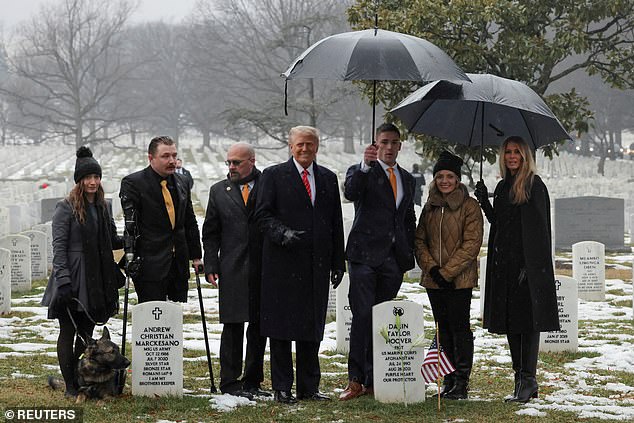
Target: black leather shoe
[(285, 397), (315, 396), (241, 393), (257, 392)]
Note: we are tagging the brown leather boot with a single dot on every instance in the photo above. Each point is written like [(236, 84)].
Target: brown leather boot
[(353, 390)]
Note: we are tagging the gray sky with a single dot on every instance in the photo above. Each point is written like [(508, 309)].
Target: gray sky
[(15, 11)]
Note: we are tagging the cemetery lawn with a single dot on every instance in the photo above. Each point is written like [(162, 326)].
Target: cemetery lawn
[(593, 384)]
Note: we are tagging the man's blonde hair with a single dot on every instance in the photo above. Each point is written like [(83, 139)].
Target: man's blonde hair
[(303, 129)]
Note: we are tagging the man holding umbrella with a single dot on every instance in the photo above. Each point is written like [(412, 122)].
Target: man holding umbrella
[(380, 245)]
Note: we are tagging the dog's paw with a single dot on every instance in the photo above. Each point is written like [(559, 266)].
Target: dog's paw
[(81, 398)]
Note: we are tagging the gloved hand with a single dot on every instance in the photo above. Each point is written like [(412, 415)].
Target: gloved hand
[(134, 267), (481, 192), (522, 278), (335, 278), (64, 296), (290, 236), (442, 283)]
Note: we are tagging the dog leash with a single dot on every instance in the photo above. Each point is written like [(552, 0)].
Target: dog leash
[(87, 314)]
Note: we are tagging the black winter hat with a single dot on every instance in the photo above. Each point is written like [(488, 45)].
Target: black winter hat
[(448, 161), (85, 164)]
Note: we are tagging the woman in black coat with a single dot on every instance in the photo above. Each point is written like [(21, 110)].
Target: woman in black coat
[(83, 287), (520, 297)]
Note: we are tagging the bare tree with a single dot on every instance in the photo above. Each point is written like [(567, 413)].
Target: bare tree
[(66, 64), (253, 41)]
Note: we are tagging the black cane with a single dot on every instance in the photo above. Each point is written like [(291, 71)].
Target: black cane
[(197, 270), (122, 372)]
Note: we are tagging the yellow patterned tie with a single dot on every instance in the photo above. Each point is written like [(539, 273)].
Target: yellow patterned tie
[(169, 204), (245, 193), (393, 181)]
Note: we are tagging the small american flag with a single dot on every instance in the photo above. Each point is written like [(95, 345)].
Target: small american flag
[(430, 369)]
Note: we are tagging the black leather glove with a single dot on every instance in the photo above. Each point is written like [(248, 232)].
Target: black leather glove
[(290, 236), (522, 278), (335, 278), (134, 267), (64, 296), (442, 283), (482, 194)]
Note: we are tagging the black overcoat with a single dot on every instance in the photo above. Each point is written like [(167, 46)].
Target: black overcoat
[(83, 259), (295, 277), (233, 246), (157, 242), (536, 244)]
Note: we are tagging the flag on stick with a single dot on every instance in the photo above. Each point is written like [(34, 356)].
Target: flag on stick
[(436, 363)]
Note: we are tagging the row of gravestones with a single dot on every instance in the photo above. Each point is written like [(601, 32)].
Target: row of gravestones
[(23, 258)]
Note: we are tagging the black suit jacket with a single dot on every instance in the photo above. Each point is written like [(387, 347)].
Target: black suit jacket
[(157, 242), (296, 276), (378, 224)]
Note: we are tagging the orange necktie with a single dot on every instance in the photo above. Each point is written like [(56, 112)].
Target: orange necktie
[(245, 193), (169, 204), (392, 181)]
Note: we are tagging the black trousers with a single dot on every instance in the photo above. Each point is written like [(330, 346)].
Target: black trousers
[(451, 308), (231, 342), (157, 290), (68, 356), (307, 364), (368, 286)]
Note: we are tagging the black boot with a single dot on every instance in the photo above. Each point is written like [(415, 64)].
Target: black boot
[(463, 352), (527, 388), (447, 342), (515, 345)]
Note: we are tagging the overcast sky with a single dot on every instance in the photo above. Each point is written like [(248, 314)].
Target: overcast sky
[(15, 11)]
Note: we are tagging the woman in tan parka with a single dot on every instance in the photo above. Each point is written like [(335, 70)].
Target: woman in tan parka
[(448, 240)]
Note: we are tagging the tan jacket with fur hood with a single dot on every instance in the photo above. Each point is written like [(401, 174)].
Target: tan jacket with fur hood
[(449, 235)]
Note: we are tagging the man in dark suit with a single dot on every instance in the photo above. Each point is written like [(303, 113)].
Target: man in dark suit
[(185, 174), (233, 248), (160, 219), (380, 245), (299, 211)]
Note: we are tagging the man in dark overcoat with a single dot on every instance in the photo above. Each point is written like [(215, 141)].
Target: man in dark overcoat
[(380, 246), (299, 211), (233, 246), (184, 173), (160, 218)]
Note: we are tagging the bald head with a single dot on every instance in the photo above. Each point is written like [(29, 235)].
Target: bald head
[(241, 160)]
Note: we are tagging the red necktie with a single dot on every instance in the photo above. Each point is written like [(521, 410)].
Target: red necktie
[(306, 183)]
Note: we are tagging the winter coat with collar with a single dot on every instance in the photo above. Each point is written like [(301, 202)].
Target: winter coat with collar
[(449, 235)]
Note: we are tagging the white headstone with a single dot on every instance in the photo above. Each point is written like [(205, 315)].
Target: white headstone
[(5, 281), (588, 269), (15, 218), (5, 225), (415, 273), (38, 254), (331, 310), (482, 282), (47, 228), (396, 326), (20, 247), (157, 349), (344, 315), (566, 339)]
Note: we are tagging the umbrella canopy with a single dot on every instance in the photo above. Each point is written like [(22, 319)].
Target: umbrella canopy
[(484, 112), (374, 54)]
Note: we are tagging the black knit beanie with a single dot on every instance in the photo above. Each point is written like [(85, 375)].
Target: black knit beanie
[(85, 164), (448, 161)]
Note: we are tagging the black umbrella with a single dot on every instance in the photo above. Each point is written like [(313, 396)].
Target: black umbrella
[(484, 112), (374, 54)]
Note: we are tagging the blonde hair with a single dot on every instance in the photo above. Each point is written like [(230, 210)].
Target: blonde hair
[(520, 191), (77, 200), (302, 129)]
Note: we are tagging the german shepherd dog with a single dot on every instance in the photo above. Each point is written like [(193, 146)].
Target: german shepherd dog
[(97, 369)]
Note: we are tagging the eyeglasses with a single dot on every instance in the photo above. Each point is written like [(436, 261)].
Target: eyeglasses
[(236, 163)]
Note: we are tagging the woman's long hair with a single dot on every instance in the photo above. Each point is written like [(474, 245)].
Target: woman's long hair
[(520, 191), (77, 200)]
